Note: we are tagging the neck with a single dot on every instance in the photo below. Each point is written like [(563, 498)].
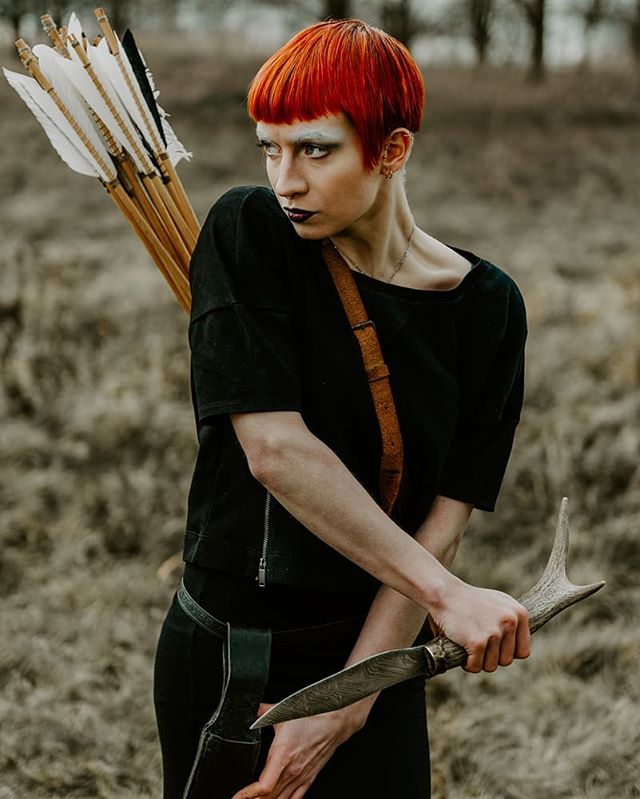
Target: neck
[(377, 242)]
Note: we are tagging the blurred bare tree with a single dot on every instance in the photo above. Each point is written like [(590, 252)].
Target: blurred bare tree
[(120, 11), (481, 14), (336, 9), (58, 9), (592, 13), (474, 19), (397, 18), (535, 15), (627, 14), (634, 32), (14, 12), (320, 9)]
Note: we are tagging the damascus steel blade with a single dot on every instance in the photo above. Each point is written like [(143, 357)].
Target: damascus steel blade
[(351, 684), (549, 596)]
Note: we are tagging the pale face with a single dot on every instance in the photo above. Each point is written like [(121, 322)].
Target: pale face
[(316, 166)]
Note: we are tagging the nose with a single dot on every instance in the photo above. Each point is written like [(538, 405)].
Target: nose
[(289, 180)]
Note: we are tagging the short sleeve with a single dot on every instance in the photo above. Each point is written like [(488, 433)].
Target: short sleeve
[(493, 366), (243, 323)]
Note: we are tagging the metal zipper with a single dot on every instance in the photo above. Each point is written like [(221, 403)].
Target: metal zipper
[(262, 563)]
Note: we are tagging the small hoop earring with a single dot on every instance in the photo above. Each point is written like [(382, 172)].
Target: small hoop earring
[(388, 174)]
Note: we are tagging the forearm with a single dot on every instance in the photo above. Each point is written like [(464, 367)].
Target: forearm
[(313, 484), (394, 622)]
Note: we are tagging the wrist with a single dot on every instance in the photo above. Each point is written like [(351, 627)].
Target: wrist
[(432, 584), (356, 715)]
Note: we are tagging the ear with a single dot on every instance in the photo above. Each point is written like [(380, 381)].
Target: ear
[(397, 149)]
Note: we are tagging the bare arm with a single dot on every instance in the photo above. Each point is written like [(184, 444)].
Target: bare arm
[(393, 622), (313, 484)]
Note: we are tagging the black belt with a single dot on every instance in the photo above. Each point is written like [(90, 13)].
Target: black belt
[(228, 750), (292, 635), (199, 614)]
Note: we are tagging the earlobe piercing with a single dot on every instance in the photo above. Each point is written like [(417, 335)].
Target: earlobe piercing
[(388, 172)]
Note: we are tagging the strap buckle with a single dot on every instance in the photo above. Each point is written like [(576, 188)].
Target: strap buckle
[(360, 325)]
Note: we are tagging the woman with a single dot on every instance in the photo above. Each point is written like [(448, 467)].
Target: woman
[(285, 529)]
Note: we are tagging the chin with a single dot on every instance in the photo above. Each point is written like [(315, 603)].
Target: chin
[(310, 233)]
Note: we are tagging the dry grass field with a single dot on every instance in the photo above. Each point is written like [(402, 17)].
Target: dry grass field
[(98, 440)]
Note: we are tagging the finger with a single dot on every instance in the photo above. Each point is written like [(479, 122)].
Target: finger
[(289, 791), (523, 637), (298, 774), (272, 780), (295, 791), (253, 791), (491, 654), (263, 707), (272, 774), (289, 780), (475, 658), (507, 646)]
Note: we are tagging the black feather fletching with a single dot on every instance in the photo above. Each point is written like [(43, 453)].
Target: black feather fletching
[(135, 59)]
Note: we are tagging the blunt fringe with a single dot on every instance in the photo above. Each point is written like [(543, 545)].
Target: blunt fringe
[(344, 66)]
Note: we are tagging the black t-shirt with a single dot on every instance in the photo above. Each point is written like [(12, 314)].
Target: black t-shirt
[(268, 332)]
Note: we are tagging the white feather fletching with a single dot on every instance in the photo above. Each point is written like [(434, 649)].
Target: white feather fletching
[(74, 26), (150, 77), (62, 136), (107, 68), (73, 79), (174, 149), (48, 62)]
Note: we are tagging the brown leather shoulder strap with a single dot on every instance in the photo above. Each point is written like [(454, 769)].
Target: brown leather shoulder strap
[(377, 374)]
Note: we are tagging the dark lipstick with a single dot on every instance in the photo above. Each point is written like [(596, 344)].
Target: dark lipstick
[(298, 214)]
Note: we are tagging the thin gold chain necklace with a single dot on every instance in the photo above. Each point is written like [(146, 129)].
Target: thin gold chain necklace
[(398, 265)]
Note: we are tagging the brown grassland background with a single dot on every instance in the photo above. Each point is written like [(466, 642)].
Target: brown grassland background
[(98, 439)]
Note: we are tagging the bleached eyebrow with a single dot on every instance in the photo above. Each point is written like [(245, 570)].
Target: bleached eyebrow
[(311, 135)]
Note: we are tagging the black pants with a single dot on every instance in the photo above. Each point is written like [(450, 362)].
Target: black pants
[(389, 757)]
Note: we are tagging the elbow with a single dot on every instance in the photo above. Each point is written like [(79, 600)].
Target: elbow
[(266, 457), (270, 443)]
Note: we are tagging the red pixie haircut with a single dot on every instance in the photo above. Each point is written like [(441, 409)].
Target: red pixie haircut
[(344, 66)]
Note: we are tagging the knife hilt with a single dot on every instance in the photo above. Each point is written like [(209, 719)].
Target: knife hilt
[(551, 594)]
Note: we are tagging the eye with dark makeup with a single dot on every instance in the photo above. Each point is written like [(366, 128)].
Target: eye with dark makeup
[(264, 145), (324, 150)]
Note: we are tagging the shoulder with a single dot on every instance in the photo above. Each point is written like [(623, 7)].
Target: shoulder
[(493, 328), (241, 255), (496, 284), (495, 297), (246, 224), (246, 206)]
